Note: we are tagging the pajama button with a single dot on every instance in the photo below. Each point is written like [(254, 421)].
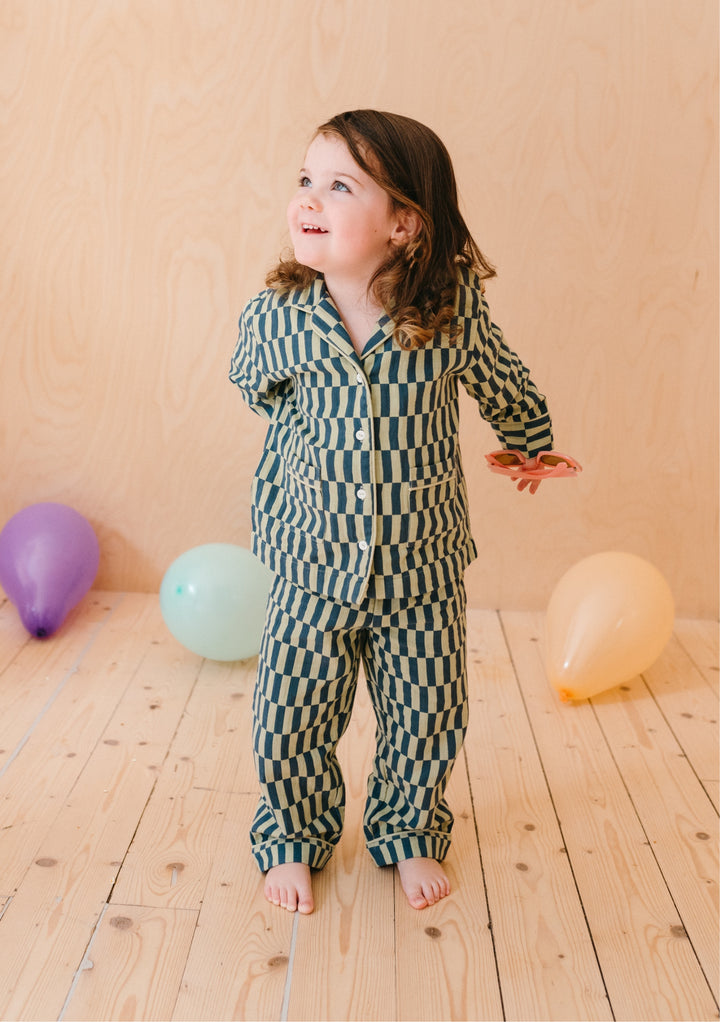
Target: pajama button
[(363, 544), (361, 494), (360, 434), (359, 377)]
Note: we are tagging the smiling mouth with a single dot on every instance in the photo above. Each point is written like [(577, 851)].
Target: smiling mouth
[(311, 229)]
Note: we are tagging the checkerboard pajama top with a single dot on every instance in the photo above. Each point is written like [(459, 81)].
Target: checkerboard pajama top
[(360, 488)]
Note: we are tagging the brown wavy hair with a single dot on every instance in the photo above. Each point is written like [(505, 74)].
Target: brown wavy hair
[(417, 284)]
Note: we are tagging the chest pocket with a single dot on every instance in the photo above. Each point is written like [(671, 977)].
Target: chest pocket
[(302, 482)]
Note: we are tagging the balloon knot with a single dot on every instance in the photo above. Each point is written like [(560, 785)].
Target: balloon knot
[(41, 633)]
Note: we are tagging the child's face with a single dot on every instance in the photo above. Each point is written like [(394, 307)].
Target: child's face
[(341, 221)]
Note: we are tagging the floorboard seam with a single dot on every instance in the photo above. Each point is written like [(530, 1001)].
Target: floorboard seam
[(288, 978)]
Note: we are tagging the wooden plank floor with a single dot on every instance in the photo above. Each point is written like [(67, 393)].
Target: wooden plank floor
[(584, 862)]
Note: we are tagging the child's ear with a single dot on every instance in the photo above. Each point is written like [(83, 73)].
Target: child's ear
[(407, 226)]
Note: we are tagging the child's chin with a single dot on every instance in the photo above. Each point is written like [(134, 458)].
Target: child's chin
[(306, 259)]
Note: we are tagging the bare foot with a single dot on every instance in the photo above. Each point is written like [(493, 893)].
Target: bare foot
[(289, 886), (424, 881)]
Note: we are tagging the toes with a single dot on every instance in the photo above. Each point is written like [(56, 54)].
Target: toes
[(281, 897), (424, 882), (305, 906), (289, 900), (289, 897), (432, 893)]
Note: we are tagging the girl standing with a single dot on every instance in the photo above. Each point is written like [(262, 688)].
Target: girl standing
[(354, 354)]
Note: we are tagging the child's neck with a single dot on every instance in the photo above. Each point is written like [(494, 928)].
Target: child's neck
[(358, 311)]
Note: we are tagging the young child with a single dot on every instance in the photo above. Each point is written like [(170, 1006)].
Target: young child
[(354, 354)]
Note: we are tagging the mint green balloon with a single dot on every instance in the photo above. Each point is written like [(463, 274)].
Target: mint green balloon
[(213, 600)]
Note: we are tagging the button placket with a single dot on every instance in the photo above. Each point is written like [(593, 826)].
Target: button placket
[(362, 434), (360, 493)]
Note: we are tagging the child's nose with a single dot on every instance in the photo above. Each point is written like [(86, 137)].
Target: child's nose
[(309, 201)]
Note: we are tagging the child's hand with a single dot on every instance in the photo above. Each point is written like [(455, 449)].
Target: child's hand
[(522, 482), (530, 472)]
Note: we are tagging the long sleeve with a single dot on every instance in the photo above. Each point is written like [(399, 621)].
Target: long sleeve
[(507, 397), (249, 369)]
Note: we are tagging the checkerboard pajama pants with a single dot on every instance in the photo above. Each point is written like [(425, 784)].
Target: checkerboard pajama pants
[(414, 657)]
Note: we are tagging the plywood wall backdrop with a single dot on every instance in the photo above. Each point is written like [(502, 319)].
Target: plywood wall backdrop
[(148, 150)]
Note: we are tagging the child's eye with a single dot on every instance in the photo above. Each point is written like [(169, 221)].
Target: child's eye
[(340, 186), (304, 181)]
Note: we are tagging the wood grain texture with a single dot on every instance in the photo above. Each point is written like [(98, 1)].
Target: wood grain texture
[(700, 641), (133, 965), (446, 956), (675, 810), (35, 673), (72, 819), (170, 861), (63, 735), (644, 943), (238, 962), (583, 863), (689, 707), (148, 153), (543, 946)]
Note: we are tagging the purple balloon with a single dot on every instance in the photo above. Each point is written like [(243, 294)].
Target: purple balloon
[(49, 557)]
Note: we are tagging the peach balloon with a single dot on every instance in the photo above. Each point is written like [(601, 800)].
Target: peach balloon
[(608, 619)]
